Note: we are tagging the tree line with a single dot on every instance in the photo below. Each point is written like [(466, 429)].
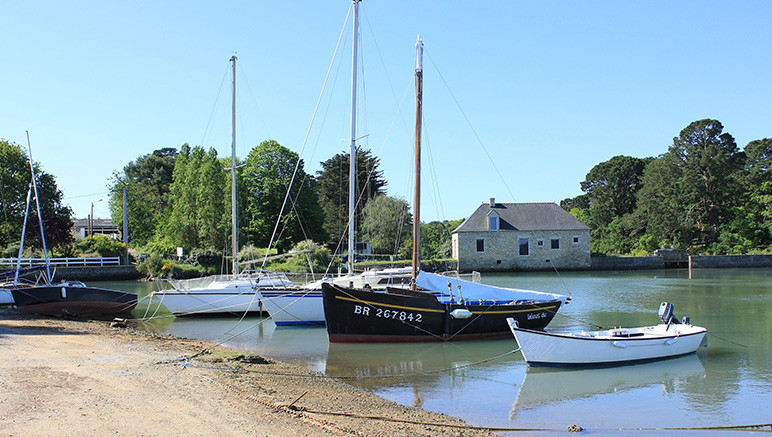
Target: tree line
[(183, 199), (703, 195)]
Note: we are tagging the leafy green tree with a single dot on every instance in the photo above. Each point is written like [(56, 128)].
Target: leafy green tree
[(757, 179), (199, 209), (611, 187), (180, 228), (707, 158), (147, 181), (102, 245), (661, 203), (334, 189), (15, 179), (436, 239), (579, 202), (213, 213), (388, 225), (689, 191), (267, 175)]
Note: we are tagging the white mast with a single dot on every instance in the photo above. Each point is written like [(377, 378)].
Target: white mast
[(234, 229), (353, 152), (419, 52), (40, 217)]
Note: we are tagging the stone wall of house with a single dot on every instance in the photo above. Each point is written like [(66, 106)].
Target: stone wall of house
[(502, 250)]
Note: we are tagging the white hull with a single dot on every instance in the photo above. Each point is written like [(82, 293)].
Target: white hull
[(611, 347), (294, 307), (6, 298), (221, 296), (207, 302)]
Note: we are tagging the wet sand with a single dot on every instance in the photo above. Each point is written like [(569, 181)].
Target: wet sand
[(63, 377)]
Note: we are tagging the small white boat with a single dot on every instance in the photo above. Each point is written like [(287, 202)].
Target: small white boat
[(612, 346)]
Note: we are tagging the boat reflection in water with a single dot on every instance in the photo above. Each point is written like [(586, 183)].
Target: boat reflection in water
[(545, 386), (378, 366), (304, 346)]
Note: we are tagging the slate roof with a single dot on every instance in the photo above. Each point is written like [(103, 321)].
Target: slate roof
[(543, 216)]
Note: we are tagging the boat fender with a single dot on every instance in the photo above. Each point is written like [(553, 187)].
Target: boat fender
[(461, 314), (670, 341), (64, 293), (619, 344)]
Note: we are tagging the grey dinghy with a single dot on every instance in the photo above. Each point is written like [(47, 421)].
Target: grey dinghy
[(613, 346)]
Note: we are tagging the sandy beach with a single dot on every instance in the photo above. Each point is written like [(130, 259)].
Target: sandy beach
[(63, 377)]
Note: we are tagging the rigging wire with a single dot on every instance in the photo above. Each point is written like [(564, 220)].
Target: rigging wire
[(487, 154), (244, 78), (305, 140), (214, 107)]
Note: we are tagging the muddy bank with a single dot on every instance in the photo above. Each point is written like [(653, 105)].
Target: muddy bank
[(65, 377)]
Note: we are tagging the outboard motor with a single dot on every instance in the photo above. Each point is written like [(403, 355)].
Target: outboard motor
[(666, 314)]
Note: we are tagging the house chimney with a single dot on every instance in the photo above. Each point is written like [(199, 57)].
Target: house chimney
[(492, 202)]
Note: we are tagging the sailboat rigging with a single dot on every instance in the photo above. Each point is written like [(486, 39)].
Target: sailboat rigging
[(68, 298), (226, 294), (426, 312)]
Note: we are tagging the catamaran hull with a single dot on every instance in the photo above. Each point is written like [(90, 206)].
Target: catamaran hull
[(551, 349), (354, 315), (82, 302)]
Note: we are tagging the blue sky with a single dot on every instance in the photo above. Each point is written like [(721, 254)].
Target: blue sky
[(550, 88)]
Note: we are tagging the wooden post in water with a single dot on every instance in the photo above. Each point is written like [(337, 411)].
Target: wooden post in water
[(419, 51)]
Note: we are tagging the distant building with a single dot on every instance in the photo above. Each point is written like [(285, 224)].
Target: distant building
[(98, 227), (521, 236)]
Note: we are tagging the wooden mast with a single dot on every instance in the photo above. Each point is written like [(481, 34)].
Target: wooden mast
[(419, 51), (353, 152)]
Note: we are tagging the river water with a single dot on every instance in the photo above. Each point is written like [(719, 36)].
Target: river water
[(729, 383)]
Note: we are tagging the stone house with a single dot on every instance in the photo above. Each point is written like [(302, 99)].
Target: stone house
[(521, 236)]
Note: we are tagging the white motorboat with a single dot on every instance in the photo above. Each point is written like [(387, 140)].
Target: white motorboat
[(612, 346)]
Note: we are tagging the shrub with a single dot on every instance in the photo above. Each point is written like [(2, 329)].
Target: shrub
[(101, 245)]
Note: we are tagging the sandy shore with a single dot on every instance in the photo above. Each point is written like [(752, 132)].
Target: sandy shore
[(62, 377)]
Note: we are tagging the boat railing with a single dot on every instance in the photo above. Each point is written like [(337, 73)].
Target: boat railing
[(63, 262), (473, 276)]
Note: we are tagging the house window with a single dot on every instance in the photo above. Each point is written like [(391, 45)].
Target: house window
[(555, 243), (493, 223), (523, 246), (480, 245), (576, 240), (540, 243)]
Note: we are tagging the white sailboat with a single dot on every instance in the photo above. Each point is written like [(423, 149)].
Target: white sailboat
[(304, 306), (224, 294)]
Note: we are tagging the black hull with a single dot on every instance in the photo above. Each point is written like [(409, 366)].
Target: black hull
[(354, 316), (69, 301)]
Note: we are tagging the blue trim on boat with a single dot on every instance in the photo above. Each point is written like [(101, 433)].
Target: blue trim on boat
[(300, 323), (605, 363)]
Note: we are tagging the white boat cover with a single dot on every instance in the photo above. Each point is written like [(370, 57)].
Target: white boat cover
[(475, 291)]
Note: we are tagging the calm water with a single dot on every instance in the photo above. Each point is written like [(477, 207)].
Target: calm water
[(727, 384)]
